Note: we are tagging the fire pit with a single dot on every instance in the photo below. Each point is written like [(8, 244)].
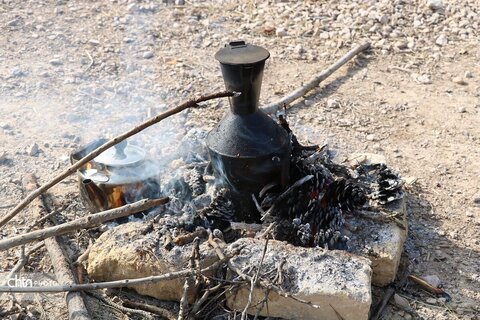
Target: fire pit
[(327, 221)]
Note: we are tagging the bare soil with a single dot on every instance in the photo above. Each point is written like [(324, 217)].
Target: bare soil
[(74, 70)]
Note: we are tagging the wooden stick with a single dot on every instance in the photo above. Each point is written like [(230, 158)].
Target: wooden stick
[(114, 284), (73, 168), (81, 223), (313, 83), (74, 301)]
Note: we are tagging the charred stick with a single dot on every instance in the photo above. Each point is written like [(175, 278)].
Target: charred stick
[(81, 223), (73, 168), (142, 313), (189, 237), (313, 83), (164, 313), (204, 297)]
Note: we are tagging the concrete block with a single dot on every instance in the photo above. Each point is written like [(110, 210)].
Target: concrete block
[(128, 252), (337, 281)]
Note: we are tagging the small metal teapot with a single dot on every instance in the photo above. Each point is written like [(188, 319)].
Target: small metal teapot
[(120, 175)]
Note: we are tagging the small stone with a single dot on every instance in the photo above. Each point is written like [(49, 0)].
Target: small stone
[(147, 55), (180, 2), (468, 74), (94, 42), (433, 280), (333, 104), (401, 302), (407, 316), (17, 72), (431, 301), (462, 110), (402, 44), (371, 137), (442, 300), (299, 49), (12, 23), (476, 200), (56, 62), (281, 32), (459, 80), (128, 40), (435, 5), (423, 79), (441, 40), (3, 155), (33, 149)]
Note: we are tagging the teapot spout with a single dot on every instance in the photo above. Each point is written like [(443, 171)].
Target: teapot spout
[(93, 197)]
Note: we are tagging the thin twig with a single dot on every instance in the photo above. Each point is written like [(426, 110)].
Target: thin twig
[(142, 313), (91, 61), (85, 222), (114, 284), (182, 314), (23, 260), (254, 281), (73, 168), (313, 83)]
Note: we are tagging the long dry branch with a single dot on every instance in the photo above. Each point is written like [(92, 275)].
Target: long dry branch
[(114, 284), (81, 223), (313, 83), (102, 148)]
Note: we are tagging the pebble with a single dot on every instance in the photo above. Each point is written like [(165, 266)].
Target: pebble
[(281, 32), (433, 280), (435, 5), (12, 23), (94, 42), (371, 137), (3, 155), (459, 80), (441, 40), (17, 72), (147, 55), (333, 104), (33, 149), (56, 62), (468, 74), (462, 110), (431, 301), (401, 302)]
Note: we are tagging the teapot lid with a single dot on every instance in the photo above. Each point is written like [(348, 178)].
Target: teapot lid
[(123, 154), (240, 53)]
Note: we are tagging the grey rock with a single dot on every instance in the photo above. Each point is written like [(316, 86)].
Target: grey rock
[(441, 40), (147, 55), (431, 301), (94, 42), (56, 62), (33, 149), (333, 104), (13, 22), (17, 72), (468, 74), (281, 32), (435, 5), (459, 80)]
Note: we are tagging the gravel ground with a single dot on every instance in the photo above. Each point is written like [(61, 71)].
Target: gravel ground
[(74, 70)]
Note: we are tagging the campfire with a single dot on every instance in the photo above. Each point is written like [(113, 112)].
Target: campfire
[(243, 199)]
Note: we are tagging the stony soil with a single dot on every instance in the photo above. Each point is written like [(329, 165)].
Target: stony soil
[(74, 70)]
